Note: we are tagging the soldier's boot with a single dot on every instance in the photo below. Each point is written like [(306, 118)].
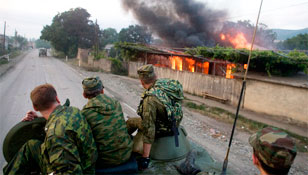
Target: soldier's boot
[(28, 159), (133, 124)]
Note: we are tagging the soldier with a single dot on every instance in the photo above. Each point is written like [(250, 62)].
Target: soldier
[(160, 110), (69, 146), (107, 122), (273, 151)]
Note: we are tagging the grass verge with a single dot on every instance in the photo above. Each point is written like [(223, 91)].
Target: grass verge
[(242, 122)]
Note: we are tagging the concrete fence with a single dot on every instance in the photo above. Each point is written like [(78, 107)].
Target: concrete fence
[(261, 96), (87, 60)]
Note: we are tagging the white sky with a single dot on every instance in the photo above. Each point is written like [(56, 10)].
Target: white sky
[(29, 16)]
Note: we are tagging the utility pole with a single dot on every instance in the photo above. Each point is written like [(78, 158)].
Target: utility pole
[(96, 38), (4, 35)]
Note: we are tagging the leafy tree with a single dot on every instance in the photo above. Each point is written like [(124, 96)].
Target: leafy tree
[(21, 40), (71, 30), (135, 34), (109, 36), (299, 42), (42, 44)]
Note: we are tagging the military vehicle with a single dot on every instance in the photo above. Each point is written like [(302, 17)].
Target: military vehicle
[(166, 158), (42, 52)]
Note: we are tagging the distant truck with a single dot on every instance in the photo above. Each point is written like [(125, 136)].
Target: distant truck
[(42, 52)]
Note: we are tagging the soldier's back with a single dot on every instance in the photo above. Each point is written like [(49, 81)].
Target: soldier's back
[(107, 122)]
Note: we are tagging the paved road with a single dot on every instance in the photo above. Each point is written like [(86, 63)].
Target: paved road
[(16, 85)]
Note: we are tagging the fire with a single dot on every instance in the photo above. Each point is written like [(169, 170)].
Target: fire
[(222, 37), (238, 41), (229, 71), (176, 63), (191, 64), (206, 66)]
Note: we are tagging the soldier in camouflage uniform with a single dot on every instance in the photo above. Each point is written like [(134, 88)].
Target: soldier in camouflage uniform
[(273, 151), (160, 102), (69, 146), (107, 122)]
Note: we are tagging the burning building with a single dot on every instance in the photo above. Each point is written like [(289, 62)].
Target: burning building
[(176, 59)]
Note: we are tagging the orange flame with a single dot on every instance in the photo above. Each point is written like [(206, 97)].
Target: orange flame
[(206, 66), (238, 41), (191, 64), (176, 63), (222, 37), (229, 71)]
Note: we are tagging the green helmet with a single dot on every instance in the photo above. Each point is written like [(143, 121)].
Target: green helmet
[(273, 147), (146, 71), (92, 84)]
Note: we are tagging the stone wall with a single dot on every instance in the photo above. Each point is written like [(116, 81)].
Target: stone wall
[(277, 99), (102, 63)]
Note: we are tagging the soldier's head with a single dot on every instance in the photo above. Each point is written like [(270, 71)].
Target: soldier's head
[(273, 150), (92, 87), (146, 75), (44, 97)]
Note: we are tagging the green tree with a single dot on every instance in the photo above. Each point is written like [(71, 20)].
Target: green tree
[(21, 40), (71, 30), (135, 34), (42, 44), (109, 36), (299, 42)]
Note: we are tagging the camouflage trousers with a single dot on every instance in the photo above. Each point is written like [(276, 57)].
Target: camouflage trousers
[(28, 160), (132, 125)]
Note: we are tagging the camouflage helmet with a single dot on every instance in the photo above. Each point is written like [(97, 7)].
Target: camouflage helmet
[(273, 147), (91, 84), (146, 71)]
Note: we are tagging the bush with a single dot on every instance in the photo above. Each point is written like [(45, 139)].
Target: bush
[(117, 67), (261, 61)]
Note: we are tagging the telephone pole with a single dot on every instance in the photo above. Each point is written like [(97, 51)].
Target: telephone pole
[(4, 35)]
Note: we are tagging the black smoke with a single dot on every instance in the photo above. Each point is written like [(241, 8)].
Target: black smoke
[(179, 23)]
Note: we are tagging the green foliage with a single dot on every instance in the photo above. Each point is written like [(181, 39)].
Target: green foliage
[(117, 66), (135, 34), (98, 55), (42, 44), (132, 51), (261, 61), (3, 61), (299, 42), (109, 36), (71, 30)]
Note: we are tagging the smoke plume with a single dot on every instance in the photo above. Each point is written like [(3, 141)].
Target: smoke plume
[(179, 23)]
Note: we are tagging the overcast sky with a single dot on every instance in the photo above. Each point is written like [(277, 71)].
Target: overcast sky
[(29, 16)]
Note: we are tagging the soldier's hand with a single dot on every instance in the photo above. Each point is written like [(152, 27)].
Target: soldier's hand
[(31, 115), (143, 163)]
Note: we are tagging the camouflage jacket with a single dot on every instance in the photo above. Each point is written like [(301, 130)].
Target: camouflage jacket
[(106, 119), (69, 146), (158, 103)]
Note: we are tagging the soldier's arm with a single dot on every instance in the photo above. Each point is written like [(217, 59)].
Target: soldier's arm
[(149, 118), (63, 153)]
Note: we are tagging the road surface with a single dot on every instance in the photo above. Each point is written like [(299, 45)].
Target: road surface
[(31, 71)]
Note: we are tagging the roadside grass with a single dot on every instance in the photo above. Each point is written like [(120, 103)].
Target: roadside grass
[(3, 61), (242, 122), (15, 54)]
